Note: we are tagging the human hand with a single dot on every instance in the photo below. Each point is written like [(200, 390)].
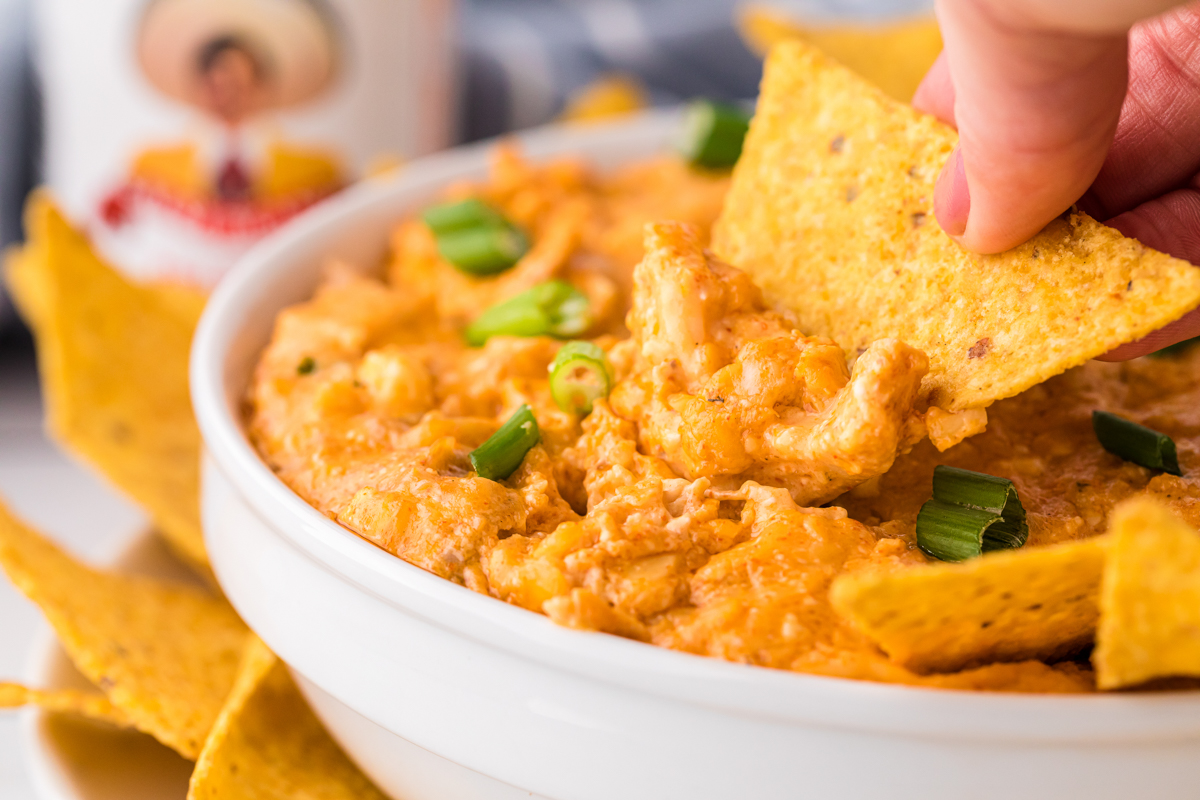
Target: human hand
[(1037, 90)]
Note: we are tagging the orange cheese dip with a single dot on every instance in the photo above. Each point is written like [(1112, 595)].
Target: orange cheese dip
[(737, 467)]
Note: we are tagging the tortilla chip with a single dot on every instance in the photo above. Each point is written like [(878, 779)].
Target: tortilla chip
[(1150, 598), (1039, 603), (89, 704), (894, 56), (608, 97), (164, 654), (23, 273), (269, 745), (831, 212), (113, 359)]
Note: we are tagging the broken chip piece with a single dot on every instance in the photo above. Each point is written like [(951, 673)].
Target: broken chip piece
[(894, 56), (164, 654), (24, 275), (268, 744), (113, 360), (88, 703), (831, 213), (1150, 598), (1008, 606)]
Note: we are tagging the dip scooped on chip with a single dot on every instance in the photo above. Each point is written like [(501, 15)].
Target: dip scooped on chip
[(831, 213)]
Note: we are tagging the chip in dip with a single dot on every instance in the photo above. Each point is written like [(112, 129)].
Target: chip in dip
[(1150, 600), (831, 212), (1037, 603)]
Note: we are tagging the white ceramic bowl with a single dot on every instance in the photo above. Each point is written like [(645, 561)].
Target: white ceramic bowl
[(438, 692)]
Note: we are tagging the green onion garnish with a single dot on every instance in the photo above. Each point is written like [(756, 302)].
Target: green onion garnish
[(475, 237), (554, 308), (954, 533), (306, 366), (460, 215), (484, 249), (970, 514), (713, 134), (503, 452), (579, 375), (1137, 443)]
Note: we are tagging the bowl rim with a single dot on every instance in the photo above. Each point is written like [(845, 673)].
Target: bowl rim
[(744, 690)]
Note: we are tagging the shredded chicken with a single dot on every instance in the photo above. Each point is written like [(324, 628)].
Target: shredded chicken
[(724, 389)]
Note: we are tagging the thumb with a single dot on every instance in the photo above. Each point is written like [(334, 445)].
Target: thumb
[(1037, 93)]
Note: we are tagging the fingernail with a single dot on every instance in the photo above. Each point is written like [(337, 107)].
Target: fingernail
[(951, 197)]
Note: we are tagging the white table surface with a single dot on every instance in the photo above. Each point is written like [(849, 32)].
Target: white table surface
[(63, 499)]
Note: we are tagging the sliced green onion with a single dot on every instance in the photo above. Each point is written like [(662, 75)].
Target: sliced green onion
[(484, 249), (475, 237), (952, 533), (976, 490), (306, 366), (1137, 443), (579, 375), (970, 514), (460, 215), (554, 308), (503, 452), (1172, 350), (713, 134)]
